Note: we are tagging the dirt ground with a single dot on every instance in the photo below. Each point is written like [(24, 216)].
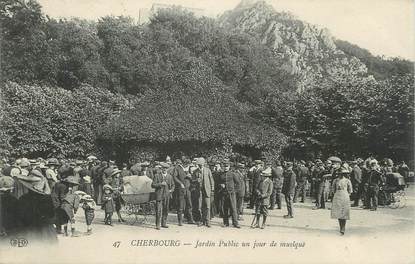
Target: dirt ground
[(384, 236)]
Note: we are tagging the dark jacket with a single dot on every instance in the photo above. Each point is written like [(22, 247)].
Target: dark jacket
[(240, 184), (179, 176), (375, 178), (303, 174), (162, 191), (356, 175), (289, 184), (231, 181)]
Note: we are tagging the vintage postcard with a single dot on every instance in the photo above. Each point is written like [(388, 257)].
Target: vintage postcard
[(184, 131)]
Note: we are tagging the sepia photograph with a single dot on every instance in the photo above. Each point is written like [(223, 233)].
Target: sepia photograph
[(196, 131)]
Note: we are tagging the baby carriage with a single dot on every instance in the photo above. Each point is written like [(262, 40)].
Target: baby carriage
[(393, 190), (139, 199)]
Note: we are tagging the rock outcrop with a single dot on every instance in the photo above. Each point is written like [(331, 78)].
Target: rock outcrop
[(304, 50)]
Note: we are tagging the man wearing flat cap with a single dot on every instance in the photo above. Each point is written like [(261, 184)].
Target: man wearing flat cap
[(288, 188), (277, 182), (302, 173), (240, 188), (163, 184), (256, 177), (229, 182)]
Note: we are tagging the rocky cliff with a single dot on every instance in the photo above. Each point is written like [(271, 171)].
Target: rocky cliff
[(305, 51)]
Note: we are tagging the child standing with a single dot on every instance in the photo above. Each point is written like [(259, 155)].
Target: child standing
[(108, 204), (70, 205), (264, 192), (88, 205)]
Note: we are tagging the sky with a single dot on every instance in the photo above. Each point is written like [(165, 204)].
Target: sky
[(384, 27)]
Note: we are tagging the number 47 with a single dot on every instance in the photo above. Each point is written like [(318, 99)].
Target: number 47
[(116, 244)]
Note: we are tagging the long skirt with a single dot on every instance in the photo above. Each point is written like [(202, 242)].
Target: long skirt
[(341, 205)]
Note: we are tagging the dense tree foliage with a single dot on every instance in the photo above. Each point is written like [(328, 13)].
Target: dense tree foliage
[(46, 121), (191, 80), (379, 67)]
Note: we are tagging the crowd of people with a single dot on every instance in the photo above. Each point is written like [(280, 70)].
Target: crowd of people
[(39, 197)]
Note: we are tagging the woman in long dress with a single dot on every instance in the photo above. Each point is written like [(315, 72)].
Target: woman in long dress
[(342, 188)]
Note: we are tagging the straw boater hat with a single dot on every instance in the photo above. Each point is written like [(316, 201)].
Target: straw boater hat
[(87, 198), (115, 172), (335, 159), (267, 172)]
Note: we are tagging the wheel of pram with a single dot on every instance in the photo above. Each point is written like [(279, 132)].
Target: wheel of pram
[(395, 201), (402, 199)]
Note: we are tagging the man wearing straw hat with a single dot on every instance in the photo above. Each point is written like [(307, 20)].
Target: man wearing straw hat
[(263, 198)]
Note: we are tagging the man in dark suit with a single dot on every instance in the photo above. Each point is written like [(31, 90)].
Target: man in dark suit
[(240, 189), (288, 188), (182, 193), (163, 184), (256, 178), (302, 176), (374, 181), (229, 182)]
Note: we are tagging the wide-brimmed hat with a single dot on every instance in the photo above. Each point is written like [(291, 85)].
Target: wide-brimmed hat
[(53, 161), (91, 157), (257, 162), (71, 180), (335, 159), (79, 162), (34, 162), (87, 198), (267, 172), (6, 183), (240, 165), (107, 186), (115, 171), (200, 161), (164, 165), (80, 193)]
